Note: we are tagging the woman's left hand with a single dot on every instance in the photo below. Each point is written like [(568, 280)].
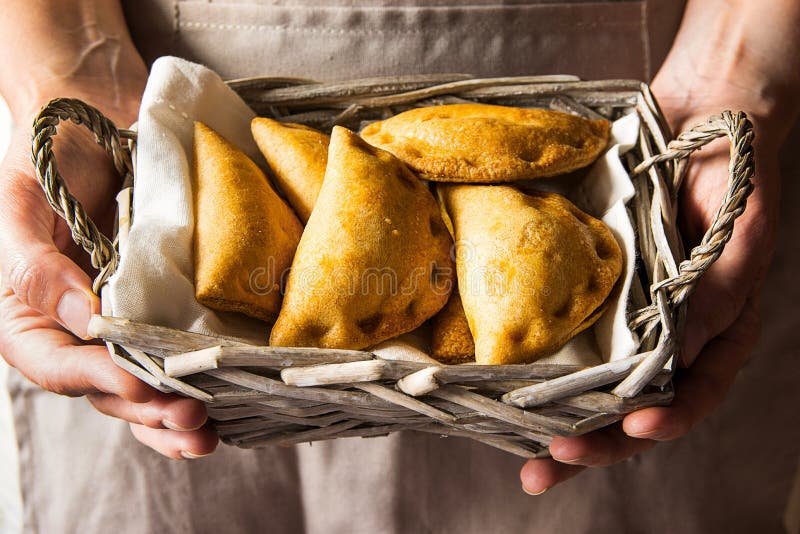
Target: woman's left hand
[(723, 320)]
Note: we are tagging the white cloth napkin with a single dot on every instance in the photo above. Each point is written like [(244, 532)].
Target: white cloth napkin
[(154, 281)]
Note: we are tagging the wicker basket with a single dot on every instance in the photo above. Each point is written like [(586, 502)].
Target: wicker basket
[(260, 395)]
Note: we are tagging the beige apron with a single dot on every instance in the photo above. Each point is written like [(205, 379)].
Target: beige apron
[(337, 39), (82, 472)]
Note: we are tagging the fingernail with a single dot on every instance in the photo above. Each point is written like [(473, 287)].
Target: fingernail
[(656, 434), (532, 493), (175, 426), (74, 310), (572, 461), (191, 456)]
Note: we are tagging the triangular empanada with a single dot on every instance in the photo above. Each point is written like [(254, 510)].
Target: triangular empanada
[(533, 269), (245, 235), (297, 155), (482, 143), (374, 260)]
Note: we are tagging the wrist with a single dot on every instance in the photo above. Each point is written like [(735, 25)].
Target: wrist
[(83, 50), (112, 82), (118, 100), (120, 103), (687, 100), (734, 54)]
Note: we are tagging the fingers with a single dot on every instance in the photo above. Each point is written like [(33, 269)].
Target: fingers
[(162, 411), (54, 359), (698, 393), (538, 476), (598, 449), (572, 455), (703, 387), (31, 264), (78, 370), (177, 445)]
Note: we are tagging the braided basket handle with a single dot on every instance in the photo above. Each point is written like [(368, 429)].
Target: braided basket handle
[(738, 128), (84, 232)]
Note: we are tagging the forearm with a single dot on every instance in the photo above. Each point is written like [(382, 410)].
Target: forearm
[(739, 53), (57, 48)]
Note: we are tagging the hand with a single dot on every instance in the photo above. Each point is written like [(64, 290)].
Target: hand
[(719, 60), (46, 299), (723, 322)]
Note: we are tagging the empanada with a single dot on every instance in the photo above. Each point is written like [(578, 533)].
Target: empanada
[(297, 155), (245, 235), (451, 338), (533, 269), (374, 260), (481, 143)]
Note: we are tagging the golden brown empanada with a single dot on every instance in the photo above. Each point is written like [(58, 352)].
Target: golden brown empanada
[(451, 338), (374, 260), (481, 143), (533, 269), (297, 155), (245, 235)]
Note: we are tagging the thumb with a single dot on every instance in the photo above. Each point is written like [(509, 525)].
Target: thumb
[(44, 279), (32, 266)]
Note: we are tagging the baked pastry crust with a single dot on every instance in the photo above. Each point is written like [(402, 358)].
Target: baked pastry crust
[(482, 143), (533, 269), (245, 235), (374, 260), (451, 338), (297, 156)]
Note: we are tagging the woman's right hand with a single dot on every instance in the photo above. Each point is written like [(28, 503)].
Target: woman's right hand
[(46, 298)]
